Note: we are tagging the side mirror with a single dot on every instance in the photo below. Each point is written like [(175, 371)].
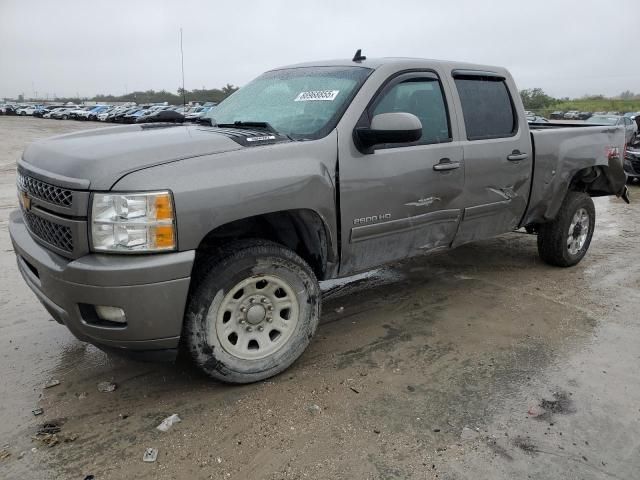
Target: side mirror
[(395, 127)]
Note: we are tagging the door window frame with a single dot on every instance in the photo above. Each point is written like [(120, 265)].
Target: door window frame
[(490, 76), (387, 85)]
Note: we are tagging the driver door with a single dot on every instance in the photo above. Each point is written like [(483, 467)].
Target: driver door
[(402, 199)]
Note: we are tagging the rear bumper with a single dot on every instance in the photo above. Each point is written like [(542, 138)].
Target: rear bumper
[(151, 289)]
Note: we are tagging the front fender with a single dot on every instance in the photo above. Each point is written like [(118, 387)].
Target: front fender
[(214, 190)]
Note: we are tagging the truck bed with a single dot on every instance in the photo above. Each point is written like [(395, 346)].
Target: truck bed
[(564, 150)]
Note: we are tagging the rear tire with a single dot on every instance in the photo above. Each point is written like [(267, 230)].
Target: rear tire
[(564, 241), (252, 311)]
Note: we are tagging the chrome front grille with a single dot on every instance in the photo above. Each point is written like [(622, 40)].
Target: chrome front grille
[(59, 236), (44, 191)]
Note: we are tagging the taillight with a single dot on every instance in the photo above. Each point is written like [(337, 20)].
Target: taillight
[(613, 152)]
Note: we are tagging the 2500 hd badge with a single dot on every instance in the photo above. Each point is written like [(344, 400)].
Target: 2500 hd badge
[(372, 219)]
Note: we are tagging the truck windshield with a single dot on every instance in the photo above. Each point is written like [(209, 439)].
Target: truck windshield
[(303, 103)]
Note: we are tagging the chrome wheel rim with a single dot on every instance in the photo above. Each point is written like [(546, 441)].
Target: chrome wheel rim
[(578, 231), (256, 317)]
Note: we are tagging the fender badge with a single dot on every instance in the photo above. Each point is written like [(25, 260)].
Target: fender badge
[(25, 200)]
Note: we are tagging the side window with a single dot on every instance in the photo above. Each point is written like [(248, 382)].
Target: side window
[(487, 107), (422, 97)]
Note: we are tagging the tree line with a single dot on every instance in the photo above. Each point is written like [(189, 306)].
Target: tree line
[(536, 100)]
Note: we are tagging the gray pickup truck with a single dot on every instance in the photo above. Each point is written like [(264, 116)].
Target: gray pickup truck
[(213, 237)]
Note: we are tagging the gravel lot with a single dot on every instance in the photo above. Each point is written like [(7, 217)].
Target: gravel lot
[(478, 363)]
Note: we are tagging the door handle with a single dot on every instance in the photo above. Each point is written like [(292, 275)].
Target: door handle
[(517, 156), (446, 164)]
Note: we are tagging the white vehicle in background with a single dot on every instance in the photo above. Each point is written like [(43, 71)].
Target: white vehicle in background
[(630, 127), (50, 112), (28, 110), (91, 113), (107, 115), (198, 113), (572, 115), (78, 112), (103, 115)]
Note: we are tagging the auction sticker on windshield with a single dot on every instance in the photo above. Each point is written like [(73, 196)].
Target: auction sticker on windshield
[(317, 95)]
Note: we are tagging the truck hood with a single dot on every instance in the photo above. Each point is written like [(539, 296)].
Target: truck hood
[(96, 159)]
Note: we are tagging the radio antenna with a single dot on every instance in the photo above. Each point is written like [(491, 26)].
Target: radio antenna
[(184, 94)]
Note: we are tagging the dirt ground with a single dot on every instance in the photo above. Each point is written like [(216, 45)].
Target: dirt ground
[(477, 363)]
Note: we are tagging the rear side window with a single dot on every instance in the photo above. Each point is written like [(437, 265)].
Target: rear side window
[(487, 107)]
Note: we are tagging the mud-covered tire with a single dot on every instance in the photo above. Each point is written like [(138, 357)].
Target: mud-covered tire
[(218, 280), (557, 239)]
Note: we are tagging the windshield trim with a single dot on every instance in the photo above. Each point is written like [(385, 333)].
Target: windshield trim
[(337, 116)]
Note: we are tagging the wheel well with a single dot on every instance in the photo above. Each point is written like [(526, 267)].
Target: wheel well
[(302, 230), (591, 180)]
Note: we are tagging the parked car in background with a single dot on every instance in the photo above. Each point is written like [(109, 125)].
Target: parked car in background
[(92, 113), (28, 110), (584, 115), (537, 119), (49, 112), (572, 115), (104, 115), (8, 109), (635, 116), (132, 117), (630, 127), (77, 112), (197, 115), (612, 113), (62, 113), (41, 111), (632, 163), (193, 114), (165, 115), (557, 115), (118, 116)]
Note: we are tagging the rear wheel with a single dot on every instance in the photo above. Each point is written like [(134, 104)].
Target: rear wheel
[(252, 312), (565, 241)]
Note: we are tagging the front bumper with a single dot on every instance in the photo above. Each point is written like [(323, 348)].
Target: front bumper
[(151, 289)]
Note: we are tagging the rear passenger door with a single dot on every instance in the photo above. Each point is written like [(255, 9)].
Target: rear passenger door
[(497, 155)]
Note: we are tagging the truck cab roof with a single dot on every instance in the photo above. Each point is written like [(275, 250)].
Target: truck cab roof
[(400, 63)]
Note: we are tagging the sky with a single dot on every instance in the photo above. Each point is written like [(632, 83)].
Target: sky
[(69, 47)]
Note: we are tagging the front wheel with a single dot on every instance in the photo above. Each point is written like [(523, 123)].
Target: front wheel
[(252, 311), (564, 241)]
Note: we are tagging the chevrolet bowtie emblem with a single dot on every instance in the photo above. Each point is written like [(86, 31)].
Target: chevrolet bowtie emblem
[(25, 200)]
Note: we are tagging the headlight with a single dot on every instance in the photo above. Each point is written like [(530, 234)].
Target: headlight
[(133, 222)]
